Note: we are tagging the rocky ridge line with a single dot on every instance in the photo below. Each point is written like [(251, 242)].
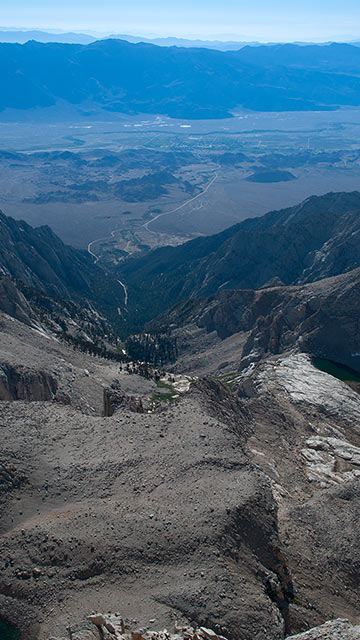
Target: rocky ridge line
[(339, 629), (112, 627)]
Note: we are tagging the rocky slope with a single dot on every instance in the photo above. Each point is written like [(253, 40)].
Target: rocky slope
[(313, 240), (334, 630), (320, 318), (232, 504), (229, 507), (35, 258)]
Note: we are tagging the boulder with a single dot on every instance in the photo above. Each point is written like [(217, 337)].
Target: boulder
[(339, 629)]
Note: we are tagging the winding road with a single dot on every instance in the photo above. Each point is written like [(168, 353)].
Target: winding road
[(125, 292), (167, 213), (97, 258), (146, 226)]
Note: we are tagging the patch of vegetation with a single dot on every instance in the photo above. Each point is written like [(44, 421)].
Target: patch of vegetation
[(271, 175), (163, 385), (230, 378), (171, 395), (164, 397), (156, 348)]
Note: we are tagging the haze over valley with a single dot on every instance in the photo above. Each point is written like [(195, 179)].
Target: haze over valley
[(92, 179), (179, 330)]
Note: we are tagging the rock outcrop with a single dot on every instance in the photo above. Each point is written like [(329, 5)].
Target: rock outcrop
[(339, 629), (320, 318), (21, 383), (14, 303), (112, 626), (115, 399)]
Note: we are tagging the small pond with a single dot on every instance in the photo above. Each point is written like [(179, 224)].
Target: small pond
[(340, 371), (8, 631)]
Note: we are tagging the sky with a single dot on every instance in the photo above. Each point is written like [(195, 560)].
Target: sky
[(264, 20)]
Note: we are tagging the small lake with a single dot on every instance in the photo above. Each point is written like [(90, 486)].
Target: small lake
[(340, 371), (8, 631)]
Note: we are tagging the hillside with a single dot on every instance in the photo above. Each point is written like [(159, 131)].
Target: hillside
[(234, 329), (315, 239), (179, 82), (38, 261), (228, 507), (225, 502)]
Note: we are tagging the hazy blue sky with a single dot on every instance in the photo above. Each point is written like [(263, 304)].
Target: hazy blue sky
[(257, 19)]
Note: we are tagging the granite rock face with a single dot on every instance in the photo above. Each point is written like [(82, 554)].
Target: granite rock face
[(13, 302), (21, 383), (320, 318), (339, 629), (115, 399)]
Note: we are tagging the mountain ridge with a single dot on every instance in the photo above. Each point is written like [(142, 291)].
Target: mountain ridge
[(21, 36), (313, 240), (37, 259), (319, 318), (139, 78)]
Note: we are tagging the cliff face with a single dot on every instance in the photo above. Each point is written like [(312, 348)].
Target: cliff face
[(116, 400), (13, 302), (21, 383), (321, 318)]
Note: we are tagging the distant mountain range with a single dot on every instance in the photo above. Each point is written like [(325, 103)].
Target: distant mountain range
[(179, 82), (20, 37)]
